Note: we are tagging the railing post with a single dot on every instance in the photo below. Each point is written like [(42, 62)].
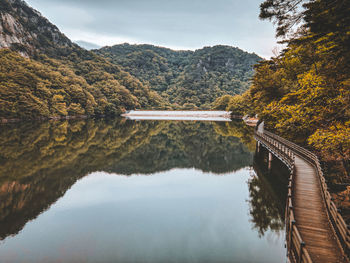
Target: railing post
[(302, 245), (289, 226), (291, 233), (270, 161)]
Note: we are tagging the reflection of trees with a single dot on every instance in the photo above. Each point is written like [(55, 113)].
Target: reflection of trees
[(238, 129), (268, 192), (39, 162), (30, 149), (186, 145)]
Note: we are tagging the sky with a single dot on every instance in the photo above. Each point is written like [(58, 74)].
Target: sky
[(176, 24)]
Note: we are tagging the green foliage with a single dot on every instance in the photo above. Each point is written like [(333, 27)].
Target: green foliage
[(239, 105), (51, 88), (186, 78), (61, 79), (222, 102), (56, 78), (333, 142), (304, 93), (155, 66), (285, 13)]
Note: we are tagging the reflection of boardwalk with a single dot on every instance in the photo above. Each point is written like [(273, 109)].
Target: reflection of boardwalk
[(311, 216), (316, 232)]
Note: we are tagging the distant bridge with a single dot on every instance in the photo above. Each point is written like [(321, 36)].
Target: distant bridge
[(178, 115), (316, 231)]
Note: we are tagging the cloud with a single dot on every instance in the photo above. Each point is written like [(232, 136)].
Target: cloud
[(172, 23)]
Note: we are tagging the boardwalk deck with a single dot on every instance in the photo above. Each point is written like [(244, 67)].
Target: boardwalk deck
[(311, 216), (311, 236)]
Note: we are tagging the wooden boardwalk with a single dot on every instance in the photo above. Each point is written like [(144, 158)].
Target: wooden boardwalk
[(311, 216), (316, 232)]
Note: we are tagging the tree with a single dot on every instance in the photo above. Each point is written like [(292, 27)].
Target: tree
[(287, 14), (222, 102), (304, 92), (334, 143)]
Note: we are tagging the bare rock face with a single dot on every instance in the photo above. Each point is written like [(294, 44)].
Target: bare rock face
[(13, 34), (25, 30)]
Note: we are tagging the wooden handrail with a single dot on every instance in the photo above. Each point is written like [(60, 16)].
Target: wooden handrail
[(286, 150), (297, 251), (339, 225)]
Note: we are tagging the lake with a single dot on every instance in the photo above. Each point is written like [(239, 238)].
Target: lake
[(138, 191)]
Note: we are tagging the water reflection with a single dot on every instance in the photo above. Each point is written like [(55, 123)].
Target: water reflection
[(40, 162), (268, 193)]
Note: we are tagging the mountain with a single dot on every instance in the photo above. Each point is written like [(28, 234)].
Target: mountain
[(157, 66), (186, 78), (43, 74), (87, 45), (25, 30)]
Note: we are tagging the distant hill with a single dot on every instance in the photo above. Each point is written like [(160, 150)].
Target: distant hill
[(186, 78), (87, 45)]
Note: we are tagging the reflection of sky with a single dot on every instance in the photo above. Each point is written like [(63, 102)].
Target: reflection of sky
[(182, 215)]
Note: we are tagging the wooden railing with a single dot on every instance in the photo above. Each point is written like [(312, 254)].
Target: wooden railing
[(295, 244), (297, 251), (339, 225)]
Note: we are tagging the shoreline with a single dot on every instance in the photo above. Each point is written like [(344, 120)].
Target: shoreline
[(137, 115), (179, 113), (56, 118)]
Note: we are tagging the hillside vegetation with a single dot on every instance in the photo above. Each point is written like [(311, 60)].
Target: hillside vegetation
[(43, 74), (186, 79), (304, 93)]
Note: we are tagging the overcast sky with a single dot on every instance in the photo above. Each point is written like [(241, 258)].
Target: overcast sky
[(178, 24)]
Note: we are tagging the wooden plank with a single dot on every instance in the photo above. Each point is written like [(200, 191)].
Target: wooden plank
[(309, 207)]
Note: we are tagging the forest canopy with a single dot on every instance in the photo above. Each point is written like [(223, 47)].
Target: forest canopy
[(186, 79)]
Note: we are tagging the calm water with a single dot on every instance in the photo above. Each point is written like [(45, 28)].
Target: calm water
[(124, 191)]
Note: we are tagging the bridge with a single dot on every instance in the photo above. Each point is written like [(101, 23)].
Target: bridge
[(315, 230), (179, 115)]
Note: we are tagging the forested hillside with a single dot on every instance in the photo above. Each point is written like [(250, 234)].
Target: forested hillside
[(43, 74), (186, 79), (304, 93)]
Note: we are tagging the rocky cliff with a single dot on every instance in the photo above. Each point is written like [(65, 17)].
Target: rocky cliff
[(25, 30)]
